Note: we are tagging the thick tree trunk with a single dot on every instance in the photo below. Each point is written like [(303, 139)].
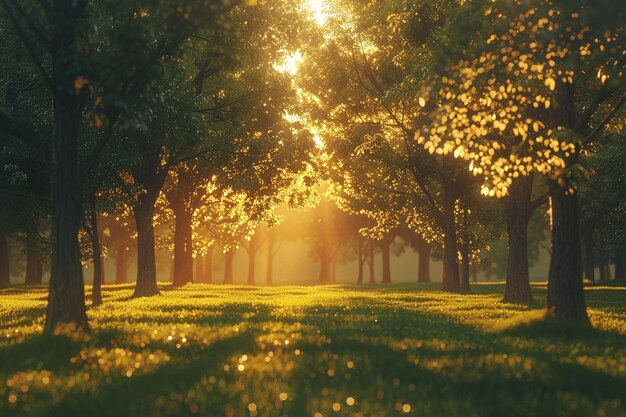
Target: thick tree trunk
[(566, 299), (589, 262), (385, 245), (199, 264), (96, 289), (34, 268), (146, 284), (183, 244), (121, 265), (450, 281), (325, 269), (66, 297), (517, 209), (620, 273), (423, 269), (5, 273), (228, 266)]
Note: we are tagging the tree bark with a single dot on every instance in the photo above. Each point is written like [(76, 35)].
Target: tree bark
[(517, 210), (121, 264), (371, 266), (199, 264), (450, 281), (385, 245), (228, 266), (208, 266), (423, 268), (34, 268), (146, 284), (566, 299), (66, 297), (361, 261), (589, 261), (183, 244), (324, 269), (5, 273), (96, 289)]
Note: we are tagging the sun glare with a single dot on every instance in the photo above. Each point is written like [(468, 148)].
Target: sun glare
[(290, 63), (318, 10)]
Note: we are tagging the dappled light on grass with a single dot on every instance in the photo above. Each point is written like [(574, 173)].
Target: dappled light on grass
[(311, 351)]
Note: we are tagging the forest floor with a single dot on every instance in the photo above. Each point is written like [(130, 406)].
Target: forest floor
[(313, 351)]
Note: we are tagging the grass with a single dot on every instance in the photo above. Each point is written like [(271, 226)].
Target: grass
[(313, 351)]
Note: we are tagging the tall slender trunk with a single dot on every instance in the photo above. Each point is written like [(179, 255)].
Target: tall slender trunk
[(620, 272), (361, 261), (372, 257), (385, 244), (589, 262), (5, 280), (199, 264), (517, 210), (566, 299), (269, 269), (66, 297), (121, 264), (228, 266), (208, 266), (183, 245), (34, 268), (465, 268), (146, 284), (450, 281), (96, 291), (423, 269)]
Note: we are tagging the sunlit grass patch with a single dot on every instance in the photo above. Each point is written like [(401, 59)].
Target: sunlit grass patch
[(312, 351)]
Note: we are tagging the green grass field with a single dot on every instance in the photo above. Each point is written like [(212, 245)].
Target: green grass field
[(313, 351)]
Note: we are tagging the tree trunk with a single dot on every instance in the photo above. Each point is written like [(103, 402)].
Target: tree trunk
[(269, 271), (620, 273), (34, 268), (385, 244), (423, 269), (208, 266), (517, 210), (450, 281), (199, 264), (251, 265), (566, 299), (465, 268), (183, 245), (5, 276), (371, 266), (587, 230), (324, 269), (605, 272), (66, 297), (121, 265), (360, 260), (228, 266), (146, 284), (96, 289)]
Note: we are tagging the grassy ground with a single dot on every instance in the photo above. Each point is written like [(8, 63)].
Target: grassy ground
[(313, 351)]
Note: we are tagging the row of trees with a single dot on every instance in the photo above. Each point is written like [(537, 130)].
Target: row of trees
[(420, 119)]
